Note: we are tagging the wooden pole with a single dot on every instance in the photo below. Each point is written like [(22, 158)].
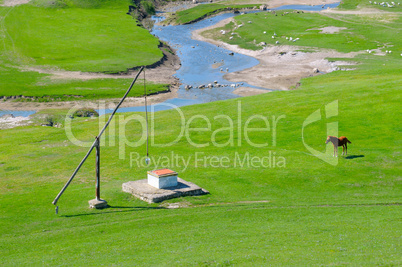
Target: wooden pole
[(96, 140), (97, 169)]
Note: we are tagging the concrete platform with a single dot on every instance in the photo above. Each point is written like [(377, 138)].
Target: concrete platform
[(150, 194)]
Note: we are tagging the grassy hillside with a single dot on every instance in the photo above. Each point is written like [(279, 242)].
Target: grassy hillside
[(312, 213), (88, 36), (99, 39)]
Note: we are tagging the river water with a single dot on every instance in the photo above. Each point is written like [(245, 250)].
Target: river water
[(197, 59)]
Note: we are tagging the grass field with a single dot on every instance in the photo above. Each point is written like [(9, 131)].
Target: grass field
[(80, 39), (87, 36), (316, 213), (298, 211)]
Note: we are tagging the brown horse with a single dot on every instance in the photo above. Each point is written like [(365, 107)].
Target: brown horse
[(341, 141)]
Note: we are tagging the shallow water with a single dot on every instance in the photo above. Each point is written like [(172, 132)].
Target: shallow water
[(197, 58), (16, 113)]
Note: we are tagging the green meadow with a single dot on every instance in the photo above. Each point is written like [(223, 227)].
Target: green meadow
[(271, 201), (86, 36)]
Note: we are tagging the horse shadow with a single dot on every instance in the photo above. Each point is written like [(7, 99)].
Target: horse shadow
[(354, 156)]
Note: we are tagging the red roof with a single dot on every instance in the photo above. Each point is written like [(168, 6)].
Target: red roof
[(164, 172)]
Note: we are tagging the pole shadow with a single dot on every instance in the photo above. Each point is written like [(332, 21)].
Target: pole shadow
[(107, 210), (354, 156)]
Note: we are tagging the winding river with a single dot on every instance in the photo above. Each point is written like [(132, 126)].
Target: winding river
[(198, 59)]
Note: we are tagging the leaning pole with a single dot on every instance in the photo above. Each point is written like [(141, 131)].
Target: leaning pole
[(97, 202)]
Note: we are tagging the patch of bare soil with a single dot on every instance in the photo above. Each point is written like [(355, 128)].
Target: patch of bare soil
[(9, 121), (282, 67), (14, 2), (330, 29)]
